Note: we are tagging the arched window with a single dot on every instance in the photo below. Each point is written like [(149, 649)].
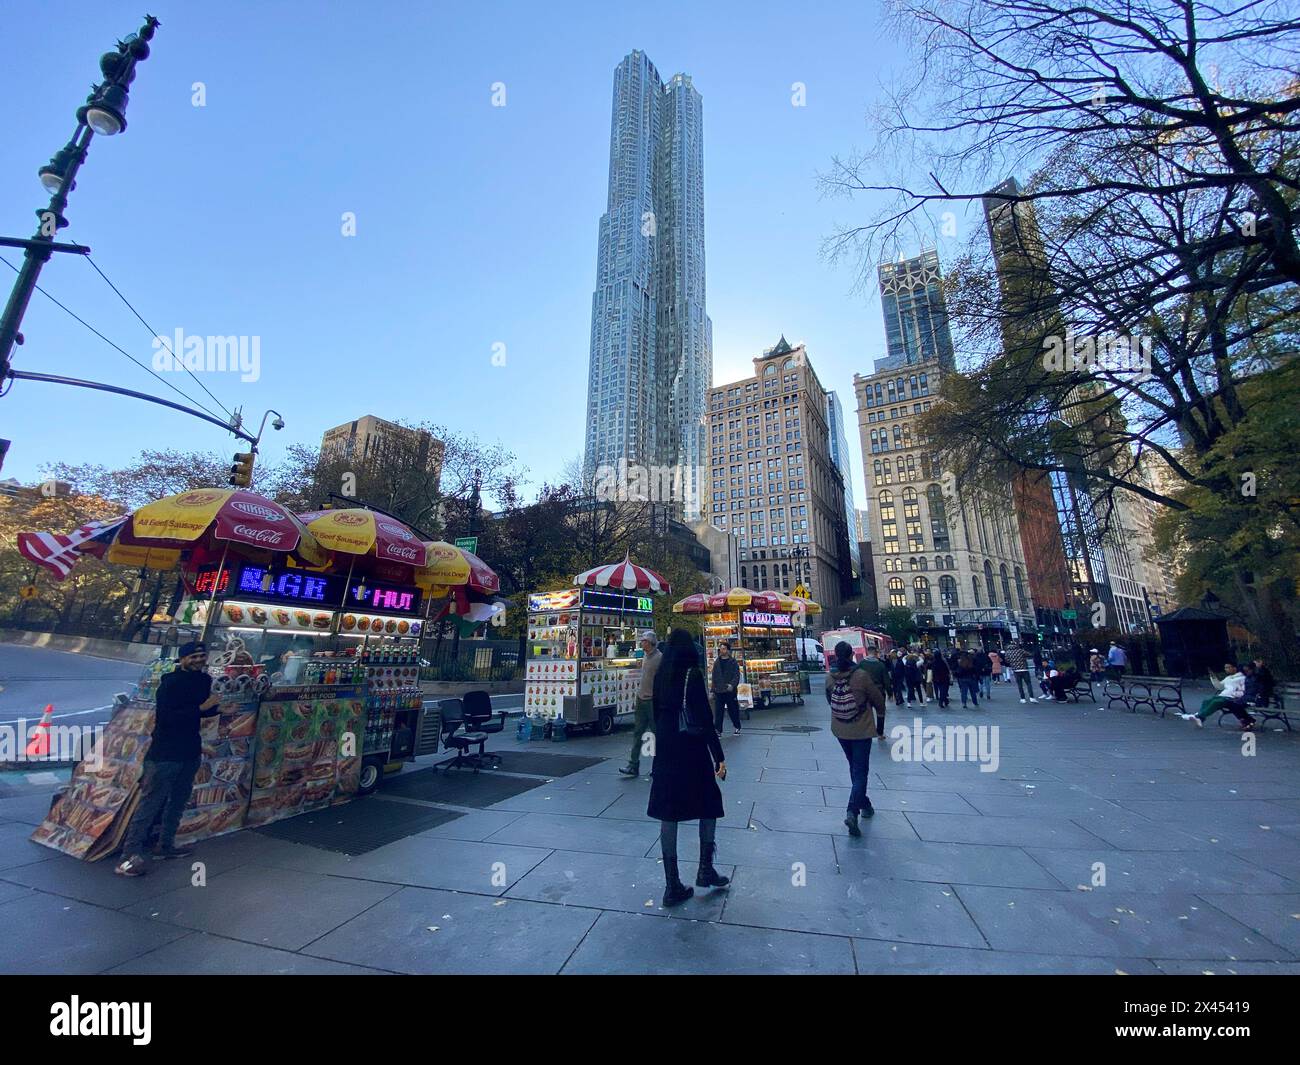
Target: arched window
[(975, 587), (988, 581), (789, 364), (948, 591), (879, 475), (938, 561), (743, 577), (897, 595), (1020, 591), (769, 369), (925, 563), (911, 564), (951, 563), (1006, 586), (938, 517), (921, 591)]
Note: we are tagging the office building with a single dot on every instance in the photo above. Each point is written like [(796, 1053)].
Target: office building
[(916, 316), (651, 356), (772, 482), (841, 459)]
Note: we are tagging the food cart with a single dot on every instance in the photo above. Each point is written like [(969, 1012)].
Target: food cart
[(583, 666), (761, 627), (316, 670)]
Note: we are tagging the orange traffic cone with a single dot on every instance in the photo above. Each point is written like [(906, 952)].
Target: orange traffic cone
[(40, 745)]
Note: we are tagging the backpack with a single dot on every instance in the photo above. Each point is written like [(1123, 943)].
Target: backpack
[(844, 705), (965, 663)]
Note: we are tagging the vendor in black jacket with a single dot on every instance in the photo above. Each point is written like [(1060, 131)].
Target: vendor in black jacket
[(724, 684), (184, 696)]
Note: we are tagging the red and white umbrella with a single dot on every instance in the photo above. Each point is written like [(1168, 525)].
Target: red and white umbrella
[(624, 576)]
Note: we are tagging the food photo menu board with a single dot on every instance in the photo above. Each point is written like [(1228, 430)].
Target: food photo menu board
[(303, 761)]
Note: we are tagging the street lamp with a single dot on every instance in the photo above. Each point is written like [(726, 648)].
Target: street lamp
[(104, 112)]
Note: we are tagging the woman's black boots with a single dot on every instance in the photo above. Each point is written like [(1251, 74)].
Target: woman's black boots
[(707, 875), (676, 892)]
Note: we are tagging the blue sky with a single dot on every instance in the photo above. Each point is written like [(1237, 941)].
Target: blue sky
[(476, 225)]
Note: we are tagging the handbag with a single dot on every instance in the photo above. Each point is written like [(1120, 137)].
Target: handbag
[(688, 723)]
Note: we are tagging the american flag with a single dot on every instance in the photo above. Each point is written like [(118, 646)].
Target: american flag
[(58, 553)]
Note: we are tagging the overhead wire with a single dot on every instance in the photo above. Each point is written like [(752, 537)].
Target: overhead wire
[(115, 347)]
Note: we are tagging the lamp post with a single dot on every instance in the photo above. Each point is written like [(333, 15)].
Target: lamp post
[(104, 112)]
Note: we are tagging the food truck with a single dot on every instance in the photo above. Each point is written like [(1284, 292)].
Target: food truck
[(860, 639), (583, 665), (763, 642)]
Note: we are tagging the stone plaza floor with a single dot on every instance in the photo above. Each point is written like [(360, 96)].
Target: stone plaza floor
[(1104, 842)]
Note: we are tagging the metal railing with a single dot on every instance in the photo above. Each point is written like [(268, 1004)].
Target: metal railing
[(486, 660)]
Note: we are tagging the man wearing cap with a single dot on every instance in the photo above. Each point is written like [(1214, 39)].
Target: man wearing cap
[(184, 696), (645, 706)]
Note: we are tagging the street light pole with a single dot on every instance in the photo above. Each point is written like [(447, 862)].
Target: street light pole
[(104, 112)]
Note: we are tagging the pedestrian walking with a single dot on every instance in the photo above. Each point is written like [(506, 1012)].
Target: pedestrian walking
[(927, 673), (1231, 697), (995, 659), (1116, 660), (942, 678), (854, 699), (1019, 663), (878, 671), (1096, 665), (984, 664), (898, 678), (968, 678), (644, 721), (184, 697), (688, 756), (912, 675), (724, 682)]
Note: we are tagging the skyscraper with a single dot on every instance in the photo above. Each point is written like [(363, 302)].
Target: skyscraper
[(840, 460), (651, 341), (916, 317)]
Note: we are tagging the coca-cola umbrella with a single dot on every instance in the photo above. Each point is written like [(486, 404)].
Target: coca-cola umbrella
[(205, 520), (625, 576), (448, 566)]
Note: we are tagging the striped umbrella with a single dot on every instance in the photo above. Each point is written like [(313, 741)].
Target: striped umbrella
[(693, 604), (739, 598), (624, 576)]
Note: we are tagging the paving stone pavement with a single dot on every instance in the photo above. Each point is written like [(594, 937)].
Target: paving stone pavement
[(1102, 842)]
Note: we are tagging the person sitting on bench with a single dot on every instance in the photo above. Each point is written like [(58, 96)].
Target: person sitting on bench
[(1063, 683), (1231, 697)]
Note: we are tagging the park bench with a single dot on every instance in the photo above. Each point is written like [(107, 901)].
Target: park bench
[(1082, 687), (1277, 709), (1162, 694)]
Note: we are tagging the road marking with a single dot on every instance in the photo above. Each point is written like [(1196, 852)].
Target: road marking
[(57, 717), (41, 778)]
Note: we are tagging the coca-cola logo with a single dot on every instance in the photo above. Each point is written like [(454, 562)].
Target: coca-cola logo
[(396, 530), (410, 554), (256, 510), (258, 536)]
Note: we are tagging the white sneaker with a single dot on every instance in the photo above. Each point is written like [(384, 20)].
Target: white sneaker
[(1031, 699), (1022, 700), (1200, 722)]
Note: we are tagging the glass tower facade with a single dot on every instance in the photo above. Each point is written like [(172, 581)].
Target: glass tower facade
[(916, 317), (651, 356), (839, 443)]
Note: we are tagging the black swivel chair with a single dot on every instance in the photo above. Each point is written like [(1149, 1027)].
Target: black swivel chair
[(452, 714), (477, 707)]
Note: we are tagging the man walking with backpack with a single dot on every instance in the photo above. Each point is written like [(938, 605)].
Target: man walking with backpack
[(968, 677), (984, 670), (854, 699)]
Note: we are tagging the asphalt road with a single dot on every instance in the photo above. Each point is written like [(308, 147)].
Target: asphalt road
[(80, 688)]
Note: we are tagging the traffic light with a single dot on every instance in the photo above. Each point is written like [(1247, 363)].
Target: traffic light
[(241, 473)]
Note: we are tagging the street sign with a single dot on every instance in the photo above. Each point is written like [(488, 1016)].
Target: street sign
[(1070, 615), (801, 592), (468, 543), (28, 591)]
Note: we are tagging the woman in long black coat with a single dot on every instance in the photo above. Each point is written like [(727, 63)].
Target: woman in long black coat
[(683, 787)]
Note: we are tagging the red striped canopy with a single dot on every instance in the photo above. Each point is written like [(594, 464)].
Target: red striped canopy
[(624, 576)]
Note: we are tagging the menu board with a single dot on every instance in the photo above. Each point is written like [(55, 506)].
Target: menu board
[(88, 820), (224, 781), (298, 766)]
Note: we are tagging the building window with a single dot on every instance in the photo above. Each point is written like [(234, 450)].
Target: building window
[(921, 591), (1006, 587), (897, 594), (975, 587), (948, 591), (988, 581), (938, 517), (1020, 591)]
